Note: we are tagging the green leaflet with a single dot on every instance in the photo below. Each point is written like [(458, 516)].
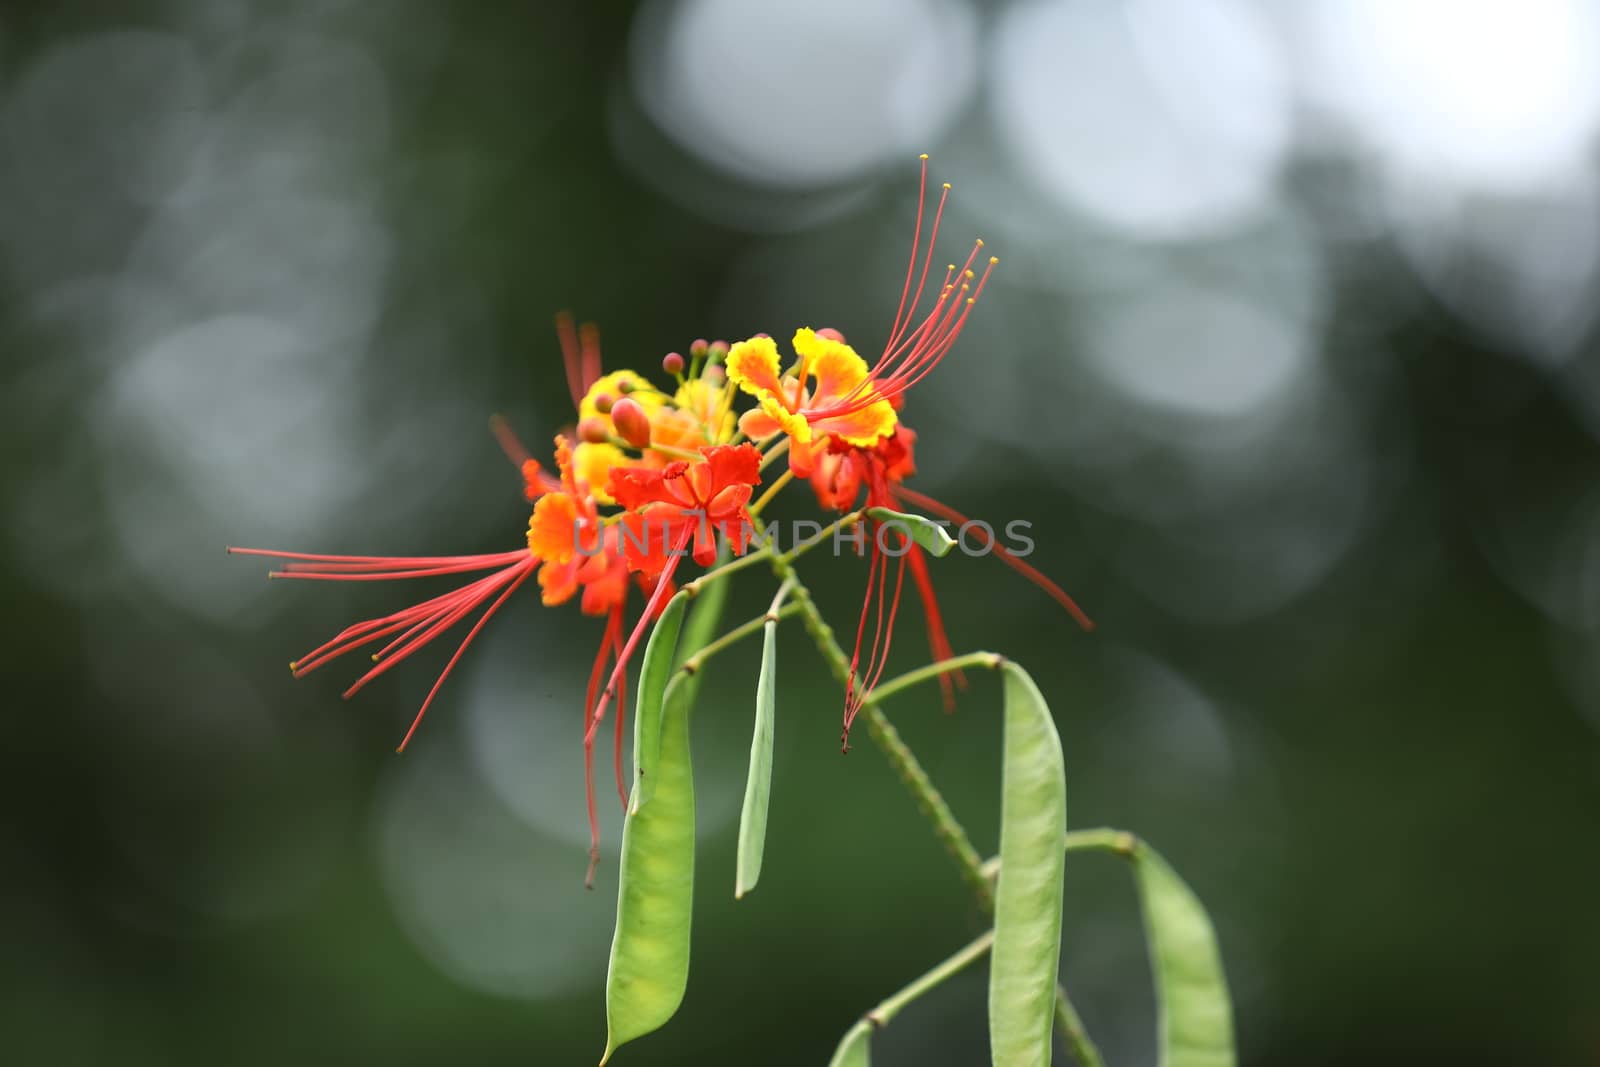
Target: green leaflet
[(1196, 1025), (655, 895), (657, 665), (1027, 917), (853, 1050), (925, 532), (758, 784)]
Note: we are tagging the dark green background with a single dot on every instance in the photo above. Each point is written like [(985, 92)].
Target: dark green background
[(1380, 786)]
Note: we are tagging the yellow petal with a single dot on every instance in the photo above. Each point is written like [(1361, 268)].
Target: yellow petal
[(592, 462), (753, 366)]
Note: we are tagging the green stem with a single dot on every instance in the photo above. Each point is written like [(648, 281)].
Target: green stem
[(772, 490), (879, 1017), (749, 559), (888, 689), (734, 636), (773, 453), (1101, 840), (843, 521)]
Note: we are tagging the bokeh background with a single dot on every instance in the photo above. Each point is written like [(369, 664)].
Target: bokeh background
[(1291, 360)]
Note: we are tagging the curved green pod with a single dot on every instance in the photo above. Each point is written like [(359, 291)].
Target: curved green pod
[(855, 1048), (655, 894), (1027, 917), (933, 538), (758, 783), (659, 654), (1196, 1012)]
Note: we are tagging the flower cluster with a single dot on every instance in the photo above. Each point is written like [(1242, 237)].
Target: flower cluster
[(647, 476)]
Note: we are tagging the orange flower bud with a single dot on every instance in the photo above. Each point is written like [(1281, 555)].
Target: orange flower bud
[(632, 424), (593, 430), (672, 363)]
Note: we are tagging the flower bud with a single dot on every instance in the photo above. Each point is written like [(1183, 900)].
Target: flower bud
[(632, 424), (624, 387), (828, 333), (717, 349), (672, 363), (603, 402), (593, 430), (714, 374), (697, 348)]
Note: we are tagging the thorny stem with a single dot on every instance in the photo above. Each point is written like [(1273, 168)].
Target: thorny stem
[(912, 775), (879, 1017), (734, 636)]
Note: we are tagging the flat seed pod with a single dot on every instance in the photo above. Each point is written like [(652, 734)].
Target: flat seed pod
[(655, 895), (1196, 1012), (659, 655), (1027, 918), (758, 783)]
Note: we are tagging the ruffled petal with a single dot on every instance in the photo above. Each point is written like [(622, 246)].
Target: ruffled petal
[(834, 364), (863, 427), (733, 465), (558, 582), (753, 366), (553, 528), (633, 487)]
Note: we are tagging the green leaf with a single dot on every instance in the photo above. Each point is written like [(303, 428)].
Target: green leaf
[(655, 895), (653, 674), (925, 532), (1027, 915), (758, 784), (1196, 1027), (853, 1050)]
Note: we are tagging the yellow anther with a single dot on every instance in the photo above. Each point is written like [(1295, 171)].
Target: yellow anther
[(966, 274), (947, 185), (923, 156), (980, 242), (993, 260)]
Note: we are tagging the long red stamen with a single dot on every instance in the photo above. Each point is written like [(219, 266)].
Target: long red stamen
[(571, 356), (364, 633), (900, 315), (663, 583), (506, 437), (927, 260), (416, 625), (612, 634), (850, 707), (616, 726), (944, 511), (938, 639), (589, 358), (522, 576)]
